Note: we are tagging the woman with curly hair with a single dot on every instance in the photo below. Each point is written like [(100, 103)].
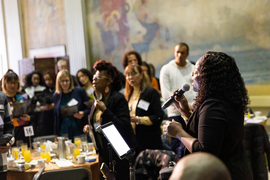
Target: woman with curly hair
[(34, 84), (217, 123), (131, 58), (110, 106)]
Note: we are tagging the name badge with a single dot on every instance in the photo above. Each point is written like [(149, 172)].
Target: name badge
[(143, 105), (1, 106), (90, 91)]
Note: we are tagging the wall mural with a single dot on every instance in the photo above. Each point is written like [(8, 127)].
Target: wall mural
[(154, 27)]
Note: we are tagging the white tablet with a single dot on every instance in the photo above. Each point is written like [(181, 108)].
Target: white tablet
[(114, 137)]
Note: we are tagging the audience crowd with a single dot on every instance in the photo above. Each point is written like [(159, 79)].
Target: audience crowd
[(65, 105)]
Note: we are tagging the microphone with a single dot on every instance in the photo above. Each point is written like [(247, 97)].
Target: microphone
[(179, 93)]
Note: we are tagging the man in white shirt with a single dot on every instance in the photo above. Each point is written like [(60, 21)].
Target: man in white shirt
[(173, 76)]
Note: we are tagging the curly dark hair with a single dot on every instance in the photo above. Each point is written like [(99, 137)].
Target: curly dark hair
[(219, 77), (125, 58), (85, 72), (112, 71), (51, 74), (29, 78)]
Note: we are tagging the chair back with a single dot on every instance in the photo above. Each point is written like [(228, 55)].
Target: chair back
[(39, 173), (257, 149), (67, 174)]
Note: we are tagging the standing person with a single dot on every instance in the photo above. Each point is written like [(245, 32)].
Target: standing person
[(130, 58), (65, 92), (11, 88), (62, 64), (47, 106), (146, 68), (173, 76), (34, 84), (84, 77), (110, 106), (145, 109), (217, 123), (6, 130)]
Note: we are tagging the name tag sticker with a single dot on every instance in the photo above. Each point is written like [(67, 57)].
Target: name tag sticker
[(143, 105), (90, 91), (1, 106)]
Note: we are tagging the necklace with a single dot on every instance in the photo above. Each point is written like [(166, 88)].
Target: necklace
[(133, 99)]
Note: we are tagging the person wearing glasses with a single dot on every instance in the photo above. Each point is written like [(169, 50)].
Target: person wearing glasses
[(144, 107), (11, 88), (110, 106), (68, 95)]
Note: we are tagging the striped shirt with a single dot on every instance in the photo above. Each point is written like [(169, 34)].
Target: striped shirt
[(6, 127)]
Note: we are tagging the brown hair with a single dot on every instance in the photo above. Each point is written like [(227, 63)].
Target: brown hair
[(63, 73), (144, 83)]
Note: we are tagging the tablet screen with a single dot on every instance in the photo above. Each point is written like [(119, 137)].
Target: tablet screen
[(115, 138)]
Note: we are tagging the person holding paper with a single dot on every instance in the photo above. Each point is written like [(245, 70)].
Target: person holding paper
[(6, 132), (144, 107), (110, 106), (47, 106), (65, 96), (84, 77), (11, 87)]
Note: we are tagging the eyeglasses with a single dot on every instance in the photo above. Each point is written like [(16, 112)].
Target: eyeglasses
[(64, 81), (98, 77)]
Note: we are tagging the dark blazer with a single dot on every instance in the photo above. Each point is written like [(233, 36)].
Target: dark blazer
[(149, 137), (77, 93), (220, 131), (118, 113)]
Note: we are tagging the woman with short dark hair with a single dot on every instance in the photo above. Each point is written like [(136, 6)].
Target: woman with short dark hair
[(110, 106)]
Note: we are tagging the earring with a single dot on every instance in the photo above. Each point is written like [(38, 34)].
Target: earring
[(107, 89)]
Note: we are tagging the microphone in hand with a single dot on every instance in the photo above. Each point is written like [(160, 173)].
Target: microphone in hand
[(178, 93)]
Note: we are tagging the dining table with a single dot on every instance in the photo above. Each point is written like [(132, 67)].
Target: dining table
[(92, 167)]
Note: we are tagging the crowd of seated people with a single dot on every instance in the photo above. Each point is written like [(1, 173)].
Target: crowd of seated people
[(135, 111)]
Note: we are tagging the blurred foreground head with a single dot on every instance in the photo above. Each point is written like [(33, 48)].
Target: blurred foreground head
[(200, 166)]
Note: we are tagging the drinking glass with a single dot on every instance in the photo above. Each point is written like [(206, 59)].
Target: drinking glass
[(76, 152), (77, 141), (27, 155), (15, 153)]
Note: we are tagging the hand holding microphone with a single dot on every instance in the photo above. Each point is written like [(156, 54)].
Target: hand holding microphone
[(177, 93)]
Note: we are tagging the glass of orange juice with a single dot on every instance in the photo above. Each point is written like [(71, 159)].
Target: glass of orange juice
[(76, 152), (15, 152), (23, 148), (27, 155), (43, 146), (77, 141), (45, 154)]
